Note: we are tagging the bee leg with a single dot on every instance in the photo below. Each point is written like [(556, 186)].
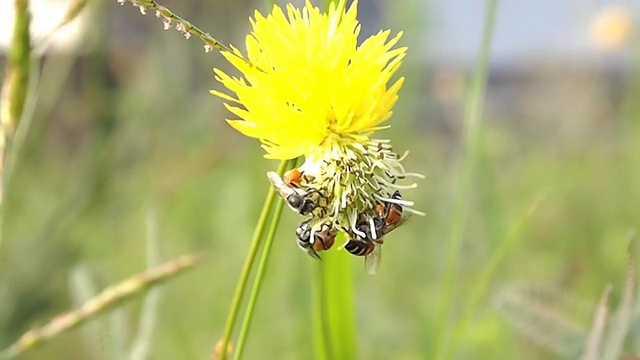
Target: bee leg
[(307, 206), (313, 254)]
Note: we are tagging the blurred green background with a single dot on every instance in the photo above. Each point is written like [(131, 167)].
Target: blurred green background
[(124, 125)]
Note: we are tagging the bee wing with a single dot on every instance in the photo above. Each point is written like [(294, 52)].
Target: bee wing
[(275, 180), (372, 261), (392, 227), (279, 185)]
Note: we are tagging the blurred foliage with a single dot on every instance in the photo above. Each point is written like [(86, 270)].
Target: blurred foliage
[(132, 123)]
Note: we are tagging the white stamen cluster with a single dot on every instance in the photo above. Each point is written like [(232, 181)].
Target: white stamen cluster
[(352, 180)]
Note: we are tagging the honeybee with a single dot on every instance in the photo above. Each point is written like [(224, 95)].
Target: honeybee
[(322, 240), (388, 217), (298, 199), (369, 246), (373, 228), (360, 247)]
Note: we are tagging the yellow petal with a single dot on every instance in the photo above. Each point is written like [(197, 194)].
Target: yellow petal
[(309, 85)]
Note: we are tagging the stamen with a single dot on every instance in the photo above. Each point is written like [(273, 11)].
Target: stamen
[(373, 229), (416, 212), (397, 201), (416, 175), (350, 181)]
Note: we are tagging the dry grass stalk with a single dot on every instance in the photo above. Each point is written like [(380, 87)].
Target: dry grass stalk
[(107, 299)]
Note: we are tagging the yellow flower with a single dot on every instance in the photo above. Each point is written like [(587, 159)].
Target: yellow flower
[(308, 89), (612, 28), (308, 84)]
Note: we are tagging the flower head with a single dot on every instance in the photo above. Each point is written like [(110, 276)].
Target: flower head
[(309, 89), (308, 84)]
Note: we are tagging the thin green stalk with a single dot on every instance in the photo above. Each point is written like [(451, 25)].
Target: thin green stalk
[(23, 124), (16, 82), (173, 20), (336, 304), (257, 281), (38, 71), (246, 269), (472, 122), (14, 92), (593, 344), (489, 270), (621, 321), (141, 346)]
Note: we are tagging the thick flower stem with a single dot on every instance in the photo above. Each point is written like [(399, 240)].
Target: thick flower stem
[(336, 306), (246, 269)]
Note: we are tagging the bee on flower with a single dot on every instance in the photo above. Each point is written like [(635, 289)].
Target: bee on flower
[(309, 89)]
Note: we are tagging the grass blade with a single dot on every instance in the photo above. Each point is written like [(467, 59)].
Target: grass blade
[(141, 344), (17, 73), (547, 316), (82, 289), (594, 340), (489, 270), (13, 96), (257, 282), (472, 122), (622, 320), (223, 349)]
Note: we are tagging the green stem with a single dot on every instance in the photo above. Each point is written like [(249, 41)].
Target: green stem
[(17, 69), (472, 122), (336, 304), (45, 103), (489, 270), (257, 281), (246, 269), (16, 84)]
